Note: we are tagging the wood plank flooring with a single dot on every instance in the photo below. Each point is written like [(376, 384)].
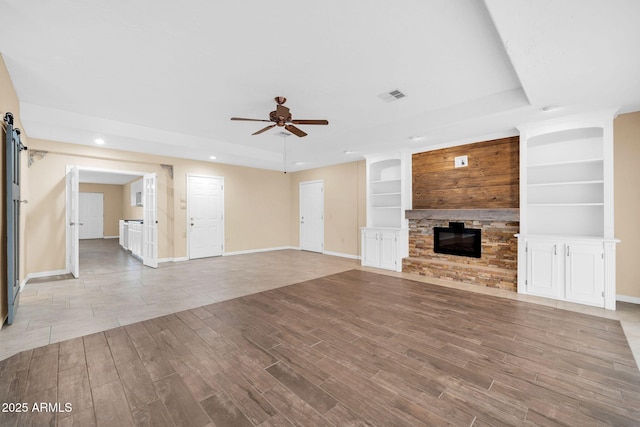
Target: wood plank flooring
[(349, 349)]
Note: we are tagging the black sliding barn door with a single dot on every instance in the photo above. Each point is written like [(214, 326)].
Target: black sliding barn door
[(13, 147)]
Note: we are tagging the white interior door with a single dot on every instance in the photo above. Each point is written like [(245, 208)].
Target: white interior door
[(150, 220), (205, 199), (91, 215), (312, 216), (73, 250)]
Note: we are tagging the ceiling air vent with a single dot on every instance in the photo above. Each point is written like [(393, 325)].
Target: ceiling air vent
[(392, 95)]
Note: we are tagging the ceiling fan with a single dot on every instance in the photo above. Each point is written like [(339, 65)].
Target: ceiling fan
[(281, 116)]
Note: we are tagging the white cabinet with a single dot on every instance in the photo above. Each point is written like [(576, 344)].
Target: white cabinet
[(543, 273), (135, 238), (385, 239), (584, 273), (566, 246), (569, 270), (380, 248), (123, 236)]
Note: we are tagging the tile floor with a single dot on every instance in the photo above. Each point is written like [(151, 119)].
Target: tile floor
[(114, 289)]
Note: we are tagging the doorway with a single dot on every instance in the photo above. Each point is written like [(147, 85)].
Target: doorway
[(312, 216), (205, 214), (75, 226)]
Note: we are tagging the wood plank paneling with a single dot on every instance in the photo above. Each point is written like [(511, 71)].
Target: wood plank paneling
[(490, 181)]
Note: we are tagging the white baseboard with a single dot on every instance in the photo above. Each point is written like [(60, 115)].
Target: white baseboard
[(24, 282), (253, 251), (45, 274), (624, 298), (341, 255), (180, 259), (111, 237), (41, 274)]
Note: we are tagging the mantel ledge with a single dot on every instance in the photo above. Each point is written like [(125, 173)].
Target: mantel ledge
[(511, 214)]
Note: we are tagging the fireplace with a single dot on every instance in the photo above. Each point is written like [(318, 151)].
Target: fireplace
[(457, 240)]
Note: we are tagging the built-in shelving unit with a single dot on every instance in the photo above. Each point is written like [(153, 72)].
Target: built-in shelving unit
[(566, 209), (385, 193), (385, 238), (565, 182)]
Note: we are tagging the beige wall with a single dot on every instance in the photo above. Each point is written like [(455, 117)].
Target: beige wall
[(46, 216), (112, 205), (626, 128), (344, 205), (129, 211), (256, 205), (256, 201)]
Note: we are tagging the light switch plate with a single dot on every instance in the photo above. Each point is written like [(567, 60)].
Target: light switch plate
[(461, 161)]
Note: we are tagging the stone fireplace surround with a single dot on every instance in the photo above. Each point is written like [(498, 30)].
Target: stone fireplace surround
[(498, 264)]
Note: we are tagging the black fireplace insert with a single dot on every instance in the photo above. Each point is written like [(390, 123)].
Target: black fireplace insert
[(457, 240)]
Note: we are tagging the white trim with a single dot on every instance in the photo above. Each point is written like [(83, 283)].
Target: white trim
[(180, 259), (114, 171), (253, 251), (624, 298), (111, 237), (24, 282), (340, 254)]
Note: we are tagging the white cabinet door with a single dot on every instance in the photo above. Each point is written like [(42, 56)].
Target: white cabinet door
[(121, 233), (370, 248), (584, 277), (388, 244), (542, 268)]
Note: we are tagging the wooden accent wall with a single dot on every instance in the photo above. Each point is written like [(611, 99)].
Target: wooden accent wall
[(490, 181)]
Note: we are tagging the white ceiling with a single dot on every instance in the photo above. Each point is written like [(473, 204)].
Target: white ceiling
[(164, 77)]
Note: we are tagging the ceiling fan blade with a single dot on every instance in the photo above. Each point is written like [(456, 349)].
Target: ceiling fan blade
[(294, 130), (249, 120), (310, 122), (263, 129)]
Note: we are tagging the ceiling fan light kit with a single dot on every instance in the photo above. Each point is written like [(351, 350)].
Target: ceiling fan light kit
[(281, 117)]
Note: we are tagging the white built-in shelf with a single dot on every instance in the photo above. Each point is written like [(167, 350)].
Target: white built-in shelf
[(386, 194), (385, 180), (563, 163), (547, 184), (566, 204), (566, 201)]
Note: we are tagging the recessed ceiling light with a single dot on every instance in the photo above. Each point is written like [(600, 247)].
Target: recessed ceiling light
[(298, 163), (416, 138), (99, 141), (349, 152), (212, 157)]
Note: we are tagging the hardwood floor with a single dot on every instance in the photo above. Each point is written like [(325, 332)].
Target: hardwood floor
[(353, 348)]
